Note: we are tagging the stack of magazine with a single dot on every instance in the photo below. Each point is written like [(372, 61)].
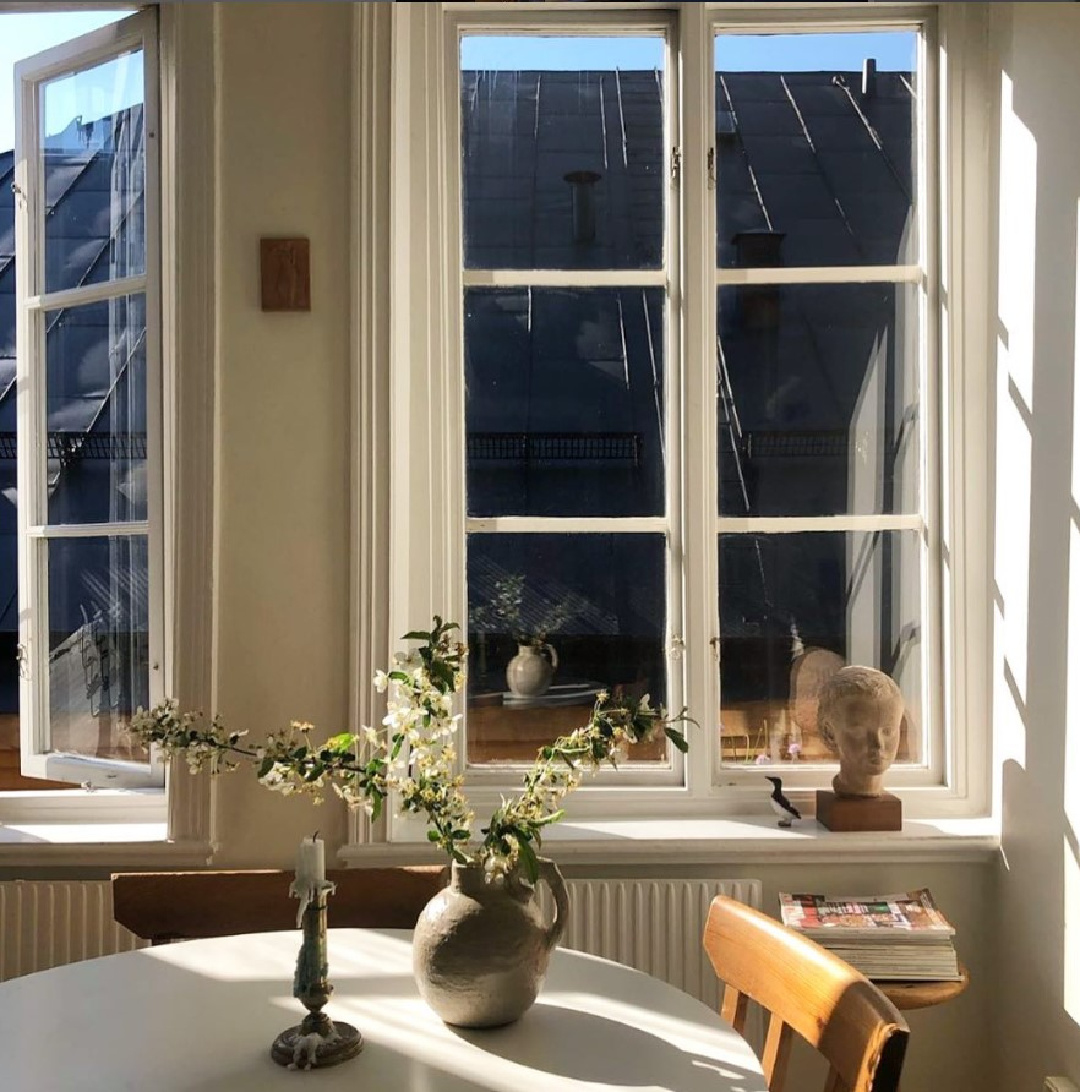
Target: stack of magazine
[(902, 938)]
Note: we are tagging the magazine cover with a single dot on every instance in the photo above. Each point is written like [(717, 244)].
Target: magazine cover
[(912, 913)]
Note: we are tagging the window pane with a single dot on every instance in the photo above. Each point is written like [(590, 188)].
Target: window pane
[(96, 397), (597, 600), (94, 146), (565, 401), (794, 608), (98, 644), (816, 162), (818, 399), (563, 152)]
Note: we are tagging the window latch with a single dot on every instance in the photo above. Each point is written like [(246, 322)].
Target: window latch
[(676, 164), (678, 645), (712, 169), (22, 658)]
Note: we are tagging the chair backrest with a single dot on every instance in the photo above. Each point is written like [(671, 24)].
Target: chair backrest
[(162, 906), (809, 991)]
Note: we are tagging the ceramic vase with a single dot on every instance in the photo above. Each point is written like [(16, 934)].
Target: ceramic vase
[(530, 672), (481, 948)]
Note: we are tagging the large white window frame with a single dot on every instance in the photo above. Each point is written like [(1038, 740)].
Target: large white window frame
[(427, 480), (123, 827), (33, 304)]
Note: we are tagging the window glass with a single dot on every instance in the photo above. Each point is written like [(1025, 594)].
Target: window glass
[(99, 662), (565, 401), (563, 152), (816, 149), (94, 153), (96, 409), (794, 608), (818, 399), (554, 619)]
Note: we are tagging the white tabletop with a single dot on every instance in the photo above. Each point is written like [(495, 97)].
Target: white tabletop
[(202, 1015)]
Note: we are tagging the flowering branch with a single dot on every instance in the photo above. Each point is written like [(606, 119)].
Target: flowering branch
[(415, 757)]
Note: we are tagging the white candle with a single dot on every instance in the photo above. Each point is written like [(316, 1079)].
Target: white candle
[(311, 864)]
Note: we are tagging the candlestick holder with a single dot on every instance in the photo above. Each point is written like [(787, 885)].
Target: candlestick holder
[(318, 1041)]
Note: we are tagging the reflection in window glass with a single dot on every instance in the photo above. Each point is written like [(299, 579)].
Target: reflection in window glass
[(563, 152), (96, 399), (94, 135), (565, 401), (553, 619), (818, 399), (794, 608), (816, 149), (99, 663)]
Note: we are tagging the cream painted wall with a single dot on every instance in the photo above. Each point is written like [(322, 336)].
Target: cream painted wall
[(1037, 559), (282, 619), (283, 398)]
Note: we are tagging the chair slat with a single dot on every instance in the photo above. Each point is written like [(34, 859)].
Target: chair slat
[(734, 1009), (774, 1058)]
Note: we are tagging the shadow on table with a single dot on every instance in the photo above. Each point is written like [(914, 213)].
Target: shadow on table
[(629, 1056)]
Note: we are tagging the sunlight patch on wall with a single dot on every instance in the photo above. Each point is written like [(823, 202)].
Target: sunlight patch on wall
[(1071, 929), (1016, 302)]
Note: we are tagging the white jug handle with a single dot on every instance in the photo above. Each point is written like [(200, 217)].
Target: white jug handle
[(554, 657)]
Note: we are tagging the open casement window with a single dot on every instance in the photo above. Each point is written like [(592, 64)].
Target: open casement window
[(89, 473)]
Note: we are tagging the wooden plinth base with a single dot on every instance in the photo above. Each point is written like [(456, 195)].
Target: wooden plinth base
[(858, 812)]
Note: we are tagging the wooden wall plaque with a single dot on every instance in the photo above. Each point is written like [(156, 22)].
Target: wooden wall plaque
[(285, 271)]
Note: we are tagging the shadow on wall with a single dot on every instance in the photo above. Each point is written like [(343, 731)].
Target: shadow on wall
[(1037, 547)]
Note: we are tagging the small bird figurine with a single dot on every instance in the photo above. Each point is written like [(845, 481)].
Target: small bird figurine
[(781, 804)]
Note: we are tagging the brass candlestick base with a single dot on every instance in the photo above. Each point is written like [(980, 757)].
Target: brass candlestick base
[(318, 1042)]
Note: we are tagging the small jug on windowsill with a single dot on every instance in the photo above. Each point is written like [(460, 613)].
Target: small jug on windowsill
[(530, 672)]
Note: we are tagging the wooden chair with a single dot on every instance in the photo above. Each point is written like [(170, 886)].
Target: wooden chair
[(163, 906), (810, 991)]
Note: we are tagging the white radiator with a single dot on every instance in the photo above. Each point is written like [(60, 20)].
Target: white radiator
[(652, 925), (44, 923)]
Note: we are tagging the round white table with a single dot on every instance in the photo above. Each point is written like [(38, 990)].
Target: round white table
[(202, 1015)]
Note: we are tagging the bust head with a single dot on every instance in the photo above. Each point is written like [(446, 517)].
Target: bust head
[(859, 714)]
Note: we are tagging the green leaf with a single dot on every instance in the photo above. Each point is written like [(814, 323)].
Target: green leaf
[(432, 835), (677, 738), (532, 866), (416, 635), (554, 817), (265, 767)]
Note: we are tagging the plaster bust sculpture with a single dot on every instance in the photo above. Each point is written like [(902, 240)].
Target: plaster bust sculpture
[(859, 715)]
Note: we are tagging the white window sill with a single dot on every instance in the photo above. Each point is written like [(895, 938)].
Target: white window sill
[(755, 839), (98, 845)]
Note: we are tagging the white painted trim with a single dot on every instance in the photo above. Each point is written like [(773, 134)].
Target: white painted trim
[(565, 278), (759, 525), (369, 601), (564, 525), (94, 293), (89, 530), (734, 840), (189, 82), (822, 274)]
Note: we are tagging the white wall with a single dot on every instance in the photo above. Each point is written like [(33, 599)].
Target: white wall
[(1037, 535)]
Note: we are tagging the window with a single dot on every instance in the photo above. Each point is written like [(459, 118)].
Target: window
[(88, 376), (114, 468), (676, 409)]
